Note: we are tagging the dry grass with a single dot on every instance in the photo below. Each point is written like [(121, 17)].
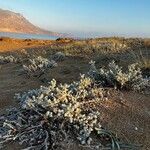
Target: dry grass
[(8, 44)]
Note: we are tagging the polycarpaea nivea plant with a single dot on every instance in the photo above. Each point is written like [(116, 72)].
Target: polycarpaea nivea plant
[(39, 64), (59, 56), (51, 115), (114, 76), (8, 59)]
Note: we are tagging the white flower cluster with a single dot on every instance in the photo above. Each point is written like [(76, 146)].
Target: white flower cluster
[(114, 76), (8, 59), (47, 112), (39, 64)]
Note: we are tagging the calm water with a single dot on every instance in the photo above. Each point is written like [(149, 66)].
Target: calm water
[(27, 36)]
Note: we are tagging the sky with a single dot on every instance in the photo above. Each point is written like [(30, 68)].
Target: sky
[(130, 18)]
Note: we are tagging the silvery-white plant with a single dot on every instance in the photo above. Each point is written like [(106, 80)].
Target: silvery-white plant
[(39, 64), (47, 113), (8, 59), (59, 56), (114, 76)]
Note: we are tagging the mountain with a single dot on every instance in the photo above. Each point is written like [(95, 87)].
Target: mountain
[(15, 22)]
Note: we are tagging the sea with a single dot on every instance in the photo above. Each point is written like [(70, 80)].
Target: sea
[(27, 36)]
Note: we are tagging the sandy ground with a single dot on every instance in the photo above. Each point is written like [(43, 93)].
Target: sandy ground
[(7, 44), (130, 121), (13, 81)]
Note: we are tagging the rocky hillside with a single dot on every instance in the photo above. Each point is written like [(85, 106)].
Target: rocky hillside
[(15, 22)]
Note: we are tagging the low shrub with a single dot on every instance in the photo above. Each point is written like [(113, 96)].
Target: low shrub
[(8, 59), (38, 64), (51, 115), (114, 76), (59, 56), (142, 57)]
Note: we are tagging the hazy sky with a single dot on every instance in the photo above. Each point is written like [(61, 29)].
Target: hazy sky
[(89, 17)]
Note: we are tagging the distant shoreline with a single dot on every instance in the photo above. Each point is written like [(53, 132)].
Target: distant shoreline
[(36, 36), (16, 35)]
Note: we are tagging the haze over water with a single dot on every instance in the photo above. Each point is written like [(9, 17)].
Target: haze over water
[(27, 36), (88, 18)]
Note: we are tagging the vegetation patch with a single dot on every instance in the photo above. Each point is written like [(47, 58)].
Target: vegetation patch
[(8, 59), (38, 65), (114, 76), (51, 116)]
